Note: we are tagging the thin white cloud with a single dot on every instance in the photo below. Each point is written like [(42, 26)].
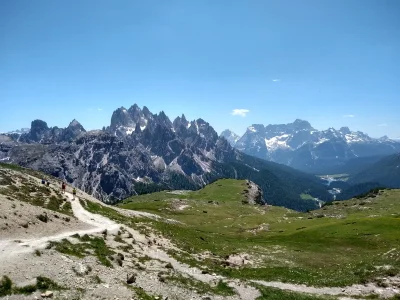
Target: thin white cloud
[(240, 112), (276, 80), (348, 116), (99, 109), (383, 125)]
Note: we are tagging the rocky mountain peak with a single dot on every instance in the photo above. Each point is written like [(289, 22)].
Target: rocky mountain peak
[(256, 128), (119, 117), (135, 112), (163, 119), (124, 122), (134, 107), (38, 129), (230, 136), (76, 124), (73, 130), (302, 124), (146, 112), (39, 125), (384, 138), (180, 121), (345, 130)]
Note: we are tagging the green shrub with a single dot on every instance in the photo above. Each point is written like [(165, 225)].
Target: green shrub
[(5, 286)]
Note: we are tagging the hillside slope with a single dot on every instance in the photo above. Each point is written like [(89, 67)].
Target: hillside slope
[(273, 243), (386, 172), (88, 256), (215, 243)]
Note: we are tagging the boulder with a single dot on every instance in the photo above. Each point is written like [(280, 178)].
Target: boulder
[(130, 278)]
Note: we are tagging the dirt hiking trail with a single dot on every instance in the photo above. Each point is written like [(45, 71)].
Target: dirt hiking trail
[(96, 223)]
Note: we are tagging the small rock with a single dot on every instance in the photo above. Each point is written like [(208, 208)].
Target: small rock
[(81, 269), (169, 266), (130, 278), (205, 298), (47, 294)]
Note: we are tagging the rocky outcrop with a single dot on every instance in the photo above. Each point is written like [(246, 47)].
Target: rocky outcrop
[(254, 194), (42, 134)]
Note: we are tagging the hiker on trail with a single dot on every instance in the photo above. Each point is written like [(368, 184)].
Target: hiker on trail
[(48, 182), (74, 193), (63, 187), (43, 181)]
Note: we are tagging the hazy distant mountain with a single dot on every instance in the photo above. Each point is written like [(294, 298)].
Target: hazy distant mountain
[(301, 146), (230, 136)]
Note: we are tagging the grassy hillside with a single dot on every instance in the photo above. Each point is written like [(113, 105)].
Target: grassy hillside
[(23, 184), (346, 242)]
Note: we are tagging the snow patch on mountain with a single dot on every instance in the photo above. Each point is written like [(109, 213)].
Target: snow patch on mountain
[(353, 138), (129, 130), (322, 140), (277, 142), (252, 129)]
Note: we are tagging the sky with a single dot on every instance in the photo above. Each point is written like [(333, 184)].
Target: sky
[(233, 63)]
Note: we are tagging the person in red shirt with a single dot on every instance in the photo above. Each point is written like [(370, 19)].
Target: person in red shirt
[(63, 185)]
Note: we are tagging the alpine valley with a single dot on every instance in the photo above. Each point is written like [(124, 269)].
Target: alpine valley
[(142, 152)]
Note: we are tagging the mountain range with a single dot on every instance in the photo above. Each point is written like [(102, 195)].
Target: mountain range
[(141, 152), (305, 148)]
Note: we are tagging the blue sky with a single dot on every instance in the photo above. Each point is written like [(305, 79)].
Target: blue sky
[(333, 63)]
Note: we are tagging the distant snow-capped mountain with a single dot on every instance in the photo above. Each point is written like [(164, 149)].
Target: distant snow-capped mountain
[(301, 146), (230, 136), (18, 131)]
